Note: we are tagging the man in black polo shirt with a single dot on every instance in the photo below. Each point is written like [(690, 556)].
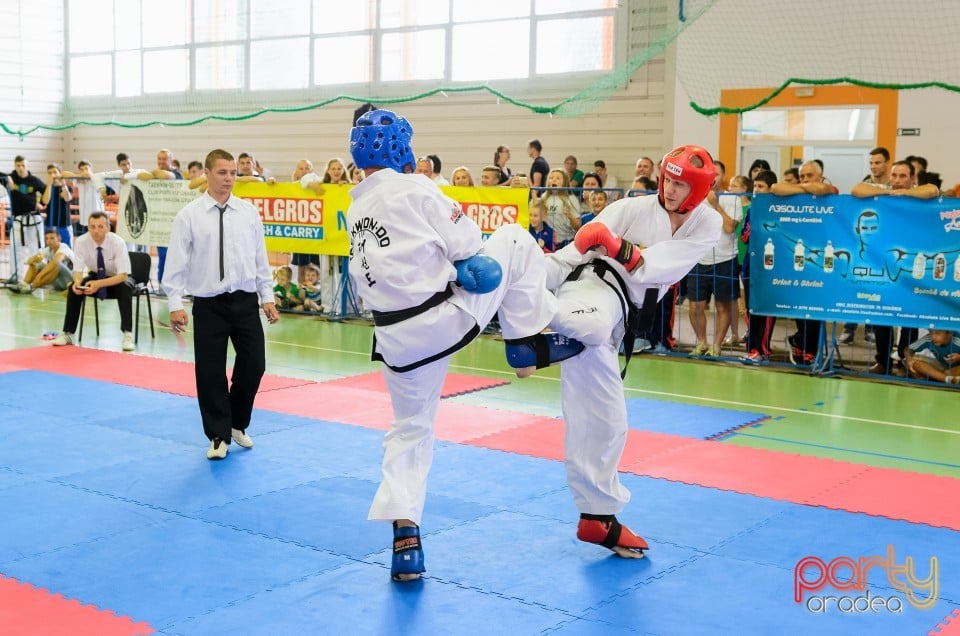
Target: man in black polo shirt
[(27, 231)]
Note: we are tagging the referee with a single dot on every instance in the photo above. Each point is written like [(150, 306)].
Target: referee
[(217, 253)]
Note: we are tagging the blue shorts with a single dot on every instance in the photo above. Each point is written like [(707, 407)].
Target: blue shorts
[(722, 280)]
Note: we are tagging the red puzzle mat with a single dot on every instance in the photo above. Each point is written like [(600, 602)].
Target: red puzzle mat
[(25, 609)]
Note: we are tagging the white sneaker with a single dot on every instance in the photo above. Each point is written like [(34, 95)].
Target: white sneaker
[(128, 342), (63, 339), (241, 438), (218, 449), (22, 288)]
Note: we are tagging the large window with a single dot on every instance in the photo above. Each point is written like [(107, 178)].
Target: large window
[(139, 48)]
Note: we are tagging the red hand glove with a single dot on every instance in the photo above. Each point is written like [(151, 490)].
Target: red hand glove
[(595, 234)]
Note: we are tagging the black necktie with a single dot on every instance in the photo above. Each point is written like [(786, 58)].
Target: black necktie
[(222, 210), (101, 273)]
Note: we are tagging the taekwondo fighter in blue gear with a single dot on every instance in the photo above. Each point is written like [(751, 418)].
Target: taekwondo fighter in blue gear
[(433, 285), (618, 265)]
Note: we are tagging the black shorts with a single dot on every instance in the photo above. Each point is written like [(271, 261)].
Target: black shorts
[(722, 280)]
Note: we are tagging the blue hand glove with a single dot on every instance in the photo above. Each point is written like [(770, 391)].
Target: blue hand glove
[(479, 274)]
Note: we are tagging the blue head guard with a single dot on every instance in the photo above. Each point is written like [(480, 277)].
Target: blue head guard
[(381, 138)]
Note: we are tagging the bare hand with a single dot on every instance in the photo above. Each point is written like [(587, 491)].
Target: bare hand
[(178, 321), (270, 309)]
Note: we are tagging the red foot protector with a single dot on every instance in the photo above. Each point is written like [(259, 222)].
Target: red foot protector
[(605, 530), (25, 609)]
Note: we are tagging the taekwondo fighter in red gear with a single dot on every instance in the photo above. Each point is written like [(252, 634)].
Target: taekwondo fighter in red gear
[(432, 284), (636, 244)]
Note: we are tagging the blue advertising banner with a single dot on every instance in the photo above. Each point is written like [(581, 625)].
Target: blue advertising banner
[(886, 260)]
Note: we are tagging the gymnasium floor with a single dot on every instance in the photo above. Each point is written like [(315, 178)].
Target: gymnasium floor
[(114, 522)]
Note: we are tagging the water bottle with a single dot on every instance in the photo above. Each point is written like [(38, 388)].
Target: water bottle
[(768, 255), (799, 256), (828, 258)]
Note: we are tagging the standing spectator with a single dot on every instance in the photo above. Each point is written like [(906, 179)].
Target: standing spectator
[(218, 253), (759, 328), (166, 171), (879, 176), (335, 172), (194, 170), (89, 199), (561, 207), (645, 168), (805, 342), (757, 167), (104, 255), (609, 181), (903, 182), (247, 168), (574, 175), (500, 158), (25, 192), (791, 176), (57, 197), (539, 169)]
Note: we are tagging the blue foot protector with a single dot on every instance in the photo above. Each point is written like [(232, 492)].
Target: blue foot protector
[(407, 562), (541, 350)]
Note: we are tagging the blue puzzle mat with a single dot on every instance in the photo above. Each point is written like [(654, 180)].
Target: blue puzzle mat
[(687, 420)]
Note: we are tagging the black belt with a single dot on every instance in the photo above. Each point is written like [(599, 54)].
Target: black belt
[(636, 320), (387, 318)]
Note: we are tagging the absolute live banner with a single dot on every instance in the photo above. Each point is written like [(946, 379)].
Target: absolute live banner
[(296, 219), (885, 260)]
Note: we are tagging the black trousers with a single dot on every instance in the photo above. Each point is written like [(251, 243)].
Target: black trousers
[(884, 337), (122, 293), (234, 317)]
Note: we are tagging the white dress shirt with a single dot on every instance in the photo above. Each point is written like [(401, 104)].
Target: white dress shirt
[(116, 259), (193, 257)]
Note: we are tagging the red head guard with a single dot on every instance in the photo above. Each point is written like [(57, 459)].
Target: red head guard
[(693, 166)]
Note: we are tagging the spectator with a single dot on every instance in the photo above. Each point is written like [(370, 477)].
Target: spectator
[(645, 168), (540, 230), (194, 170), (311, 295), (247, 168), (104, 255), (805, 342), (720, 184), (791, 176), (641, 186), (561, 206), (903, 182), (335, 172), (759, 328), (164, 170), (53, 265), (491, 176), (57, 197), (500, 158), (598, 201), (935, 356), (461, 176), (427, 167), (539, 169), (285, 293), (756, 167), (609, 181), (574, 175), (591, 183), (25, 192)]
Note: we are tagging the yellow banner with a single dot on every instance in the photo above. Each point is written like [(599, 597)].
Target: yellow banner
[(299, 220), (491, 207)]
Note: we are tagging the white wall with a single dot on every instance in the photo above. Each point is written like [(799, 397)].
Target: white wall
[(934, 112), (31, 81)]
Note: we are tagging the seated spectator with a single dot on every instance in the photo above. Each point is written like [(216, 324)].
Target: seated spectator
[(101, 267), (645, 168), (935, 356), (542, 232), (490, 176), (285, 292), (53, 265), (461, 177), (310, 296)]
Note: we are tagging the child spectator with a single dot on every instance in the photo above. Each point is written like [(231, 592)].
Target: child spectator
[(561, 208), (935, 356), (286, 293), (310, 289), (598, 201), (542, 233)]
